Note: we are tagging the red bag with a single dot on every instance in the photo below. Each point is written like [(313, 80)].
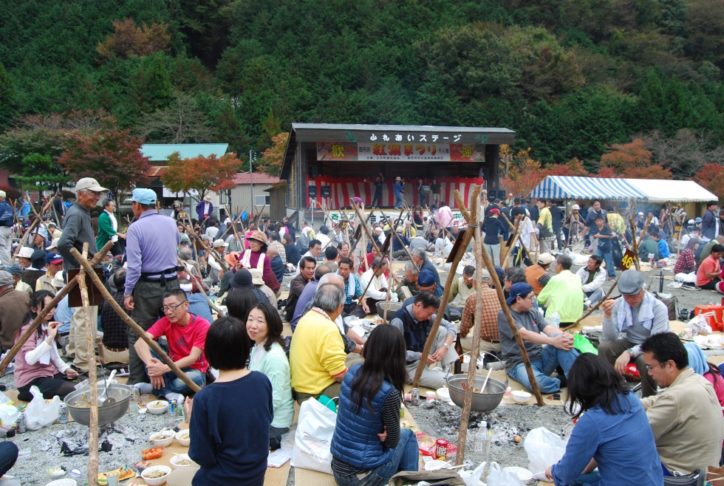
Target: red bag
[(715, 319)]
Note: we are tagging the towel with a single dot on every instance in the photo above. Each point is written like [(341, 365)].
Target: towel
[(645, 315)]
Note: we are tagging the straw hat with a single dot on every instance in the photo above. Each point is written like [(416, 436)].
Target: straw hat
[(258, 236)]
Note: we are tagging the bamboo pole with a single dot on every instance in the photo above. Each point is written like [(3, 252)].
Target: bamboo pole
[(131, 323), (506, 253), (203, 292), (635, 244), (209, 250), (92, 372), (509, 317), (475, 351), (41, 315), (467, 236)]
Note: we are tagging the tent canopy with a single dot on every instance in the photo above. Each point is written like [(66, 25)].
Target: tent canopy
[(652, 190), (574, 187)]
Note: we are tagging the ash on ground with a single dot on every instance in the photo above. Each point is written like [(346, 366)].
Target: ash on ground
[(442, 420)]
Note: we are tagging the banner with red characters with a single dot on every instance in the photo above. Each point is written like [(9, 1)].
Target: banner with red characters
[(400, 152)]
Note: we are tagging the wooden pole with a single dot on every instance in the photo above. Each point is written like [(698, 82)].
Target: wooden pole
[(509, 317), (131, 323), (92, 372), (506, 253), (206, 247), (635, 244), (598, 304), (475, 351), (203, 292), (36, 222), (467, 236), (41, 315)]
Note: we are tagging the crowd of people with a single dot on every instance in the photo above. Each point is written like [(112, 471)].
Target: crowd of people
[(211, 290)]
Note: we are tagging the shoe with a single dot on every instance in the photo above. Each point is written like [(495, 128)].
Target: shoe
[(143, 388), (80, 371)]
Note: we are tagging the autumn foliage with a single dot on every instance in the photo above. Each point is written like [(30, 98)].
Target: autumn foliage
[(113, 157), (273, 157), (201, 173), (711, 176), (130, 40)]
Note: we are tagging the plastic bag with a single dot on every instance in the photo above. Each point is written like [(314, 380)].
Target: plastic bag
[(583, 344), (472, 478), (8, 415), (313, 438), (38, 414), (498, 477), (544, 448)]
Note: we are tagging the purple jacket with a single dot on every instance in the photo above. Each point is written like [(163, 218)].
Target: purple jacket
[(200, 210)]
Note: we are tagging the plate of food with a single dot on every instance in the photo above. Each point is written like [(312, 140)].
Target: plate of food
[(157, 407)]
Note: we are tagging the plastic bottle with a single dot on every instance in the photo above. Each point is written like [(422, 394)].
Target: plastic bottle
[(555, 319)]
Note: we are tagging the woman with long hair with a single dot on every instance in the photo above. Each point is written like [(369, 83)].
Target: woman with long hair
[(38, 362), (264, 327), (231, 444), (368, 446), (611, 433)]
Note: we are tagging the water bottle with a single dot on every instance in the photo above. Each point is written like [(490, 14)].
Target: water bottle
[(63, 414), (555, 319)]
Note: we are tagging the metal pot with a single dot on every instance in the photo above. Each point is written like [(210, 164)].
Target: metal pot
[(119, 396), (485, 401), (392, 307)]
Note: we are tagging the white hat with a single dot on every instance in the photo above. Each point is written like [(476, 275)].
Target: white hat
[(89, 184), (53, 244), (3, 194), (220, 242), (26, 252), (58, 281), (575, 207), (545, 259), (256, 276)]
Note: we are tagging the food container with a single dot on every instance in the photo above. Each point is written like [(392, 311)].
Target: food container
[(183, 437), (162, 438), (112, 410), (156, 475), (182, 460), (484, 401), (157, 407), (520, 396)]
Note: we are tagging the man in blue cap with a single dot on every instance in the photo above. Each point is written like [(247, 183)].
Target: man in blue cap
[(558, 349), (151, 256)]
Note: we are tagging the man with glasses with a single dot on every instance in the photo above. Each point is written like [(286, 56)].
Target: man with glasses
[(628, 322), (151, 255), (548, 348), (77, 230), (685, 415), (186, 336)]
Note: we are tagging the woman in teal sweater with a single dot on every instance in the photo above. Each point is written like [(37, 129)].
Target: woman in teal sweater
[(264, 327)]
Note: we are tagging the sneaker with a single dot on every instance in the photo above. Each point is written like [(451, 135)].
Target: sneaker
[(143, 388)]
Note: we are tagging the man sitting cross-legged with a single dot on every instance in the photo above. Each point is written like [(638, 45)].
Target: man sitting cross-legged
[(186, 337), (548, 347)]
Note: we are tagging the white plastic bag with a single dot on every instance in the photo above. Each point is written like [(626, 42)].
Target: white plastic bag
[(313, 437), (472, 478), (498, 477), (38, 414), (544, 448), (8, 414)]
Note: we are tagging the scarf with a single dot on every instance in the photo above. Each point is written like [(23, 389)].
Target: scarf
[(624, 316)]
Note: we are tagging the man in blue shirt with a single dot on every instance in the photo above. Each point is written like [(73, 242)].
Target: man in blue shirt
[(151, 256), (6, 225)]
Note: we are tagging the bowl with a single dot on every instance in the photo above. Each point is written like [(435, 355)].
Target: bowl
[(156, 475), (63, 482), (157, 407), (162, 438), (79, 406), (57, 472), (520, 396), (183, 437), (483, 401), (182, 460), (392, 307), (443, 394)]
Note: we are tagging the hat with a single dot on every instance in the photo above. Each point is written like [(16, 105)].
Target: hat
[(52, 258), (207, 198), (53, 244), (26, 252), (691, 222), (545, 259), (143, 196), (51, 223), (641, 213), (42, 232), (220, 242), (495, 211), (6, 279), (256, 276), (518, 289), (3, 194), (630, 282), (425, 278), (38, 259), (89, 184), (242, 278), (258, 236), (575, 207), (398, 178), (14, 269), (58, 281)]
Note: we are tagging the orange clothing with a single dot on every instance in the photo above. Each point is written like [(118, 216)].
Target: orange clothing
[(489, 325), (708, 265), (532, 275)]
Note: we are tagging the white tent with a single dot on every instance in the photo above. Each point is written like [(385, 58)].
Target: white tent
[(664, 190)]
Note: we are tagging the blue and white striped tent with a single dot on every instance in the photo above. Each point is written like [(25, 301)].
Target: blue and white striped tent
[(574, 187)]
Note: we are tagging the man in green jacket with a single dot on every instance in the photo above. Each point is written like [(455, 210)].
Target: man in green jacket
[(563, 293), (108, 227)]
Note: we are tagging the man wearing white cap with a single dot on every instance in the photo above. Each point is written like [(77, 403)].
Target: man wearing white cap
[(6, 225), (151, 255), (77, 230)]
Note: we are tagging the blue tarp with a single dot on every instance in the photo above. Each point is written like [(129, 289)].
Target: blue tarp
[(574, 187)]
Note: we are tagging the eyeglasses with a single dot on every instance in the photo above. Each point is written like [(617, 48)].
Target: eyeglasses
[(649, 367), (172, 308)]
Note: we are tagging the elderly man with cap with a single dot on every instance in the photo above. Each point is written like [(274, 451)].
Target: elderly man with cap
[(16, 272), (14, 307), (216, 273), (489, 335), (7, 219), (419, 258), (151, 256), (53, 265), (547, 347), (77, 230), (255, 258), (537, 275), (628, 322)]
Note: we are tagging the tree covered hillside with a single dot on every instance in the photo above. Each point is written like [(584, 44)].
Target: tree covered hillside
[(571, 77)]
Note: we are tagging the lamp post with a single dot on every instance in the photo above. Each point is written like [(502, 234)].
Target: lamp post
[(251, 180)]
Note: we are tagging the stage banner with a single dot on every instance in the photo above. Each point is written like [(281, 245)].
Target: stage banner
[(400, 152)]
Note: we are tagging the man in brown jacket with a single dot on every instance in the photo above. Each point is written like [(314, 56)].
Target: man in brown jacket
[(685, 416), (14, 306)]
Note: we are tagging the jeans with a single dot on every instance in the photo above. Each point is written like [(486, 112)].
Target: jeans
[(8, 456), (404, 457), (494, 252), (398, 200), (174, 384), (551, 358), (608, 257)]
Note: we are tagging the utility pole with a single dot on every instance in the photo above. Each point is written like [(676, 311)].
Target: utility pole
[(251, 180)]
